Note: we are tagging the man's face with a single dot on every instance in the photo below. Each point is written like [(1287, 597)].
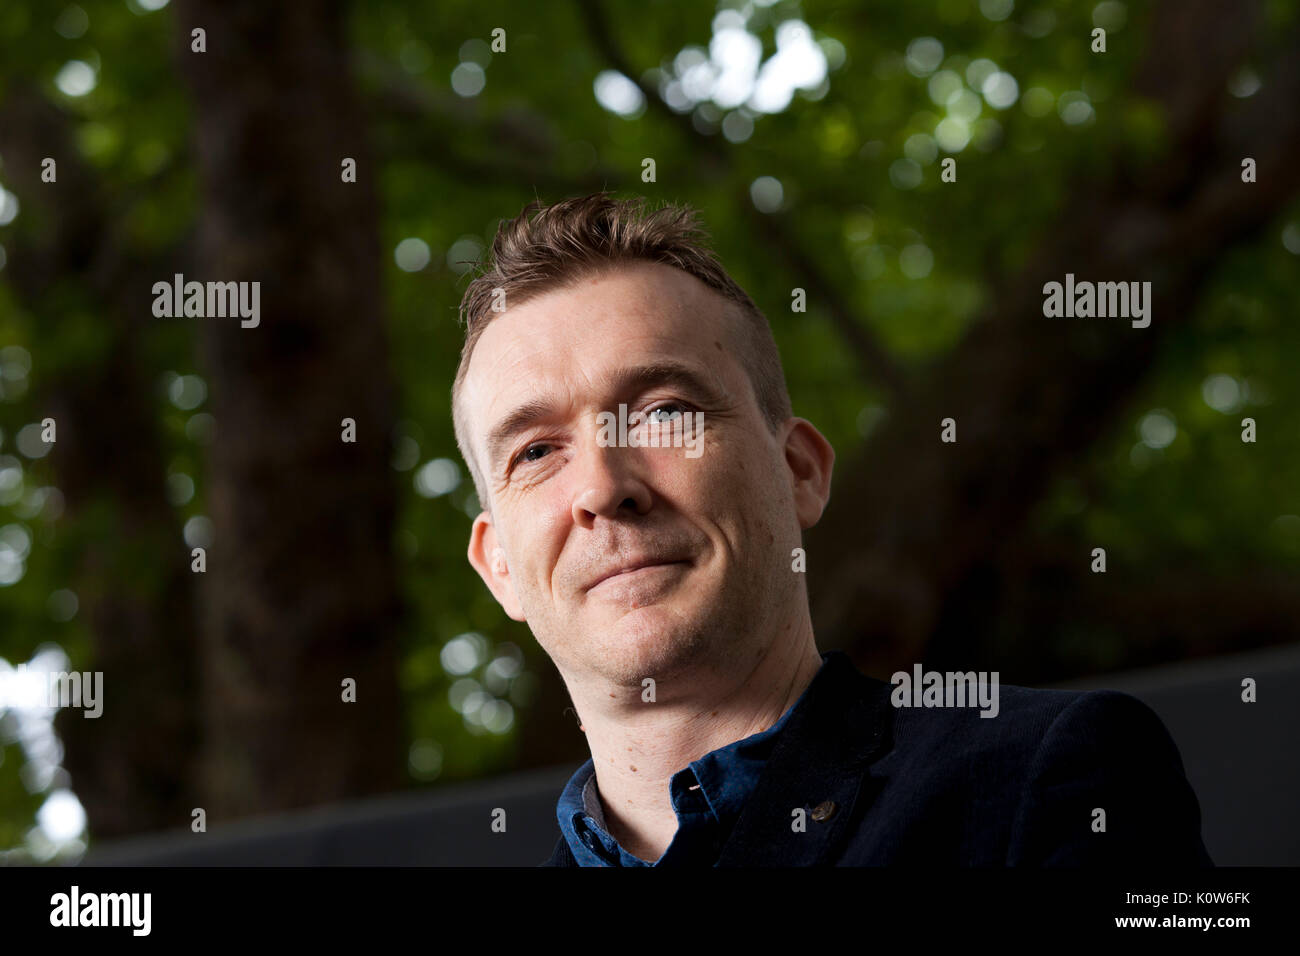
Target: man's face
[(715, 530)]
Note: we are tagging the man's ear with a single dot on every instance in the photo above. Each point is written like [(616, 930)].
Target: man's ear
[(810, 458), (489, 560)]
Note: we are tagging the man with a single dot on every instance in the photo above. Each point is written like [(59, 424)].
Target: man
[(657, 564)]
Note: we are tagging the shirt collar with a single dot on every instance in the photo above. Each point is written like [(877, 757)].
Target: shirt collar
[(725, 778)]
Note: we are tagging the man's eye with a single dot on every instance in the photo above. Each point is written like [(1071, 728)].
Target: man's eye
[(522, 457), (661, 413)]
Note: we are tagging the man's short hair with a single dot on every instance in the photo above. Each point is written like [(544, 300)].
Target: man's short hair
[(547, 247)]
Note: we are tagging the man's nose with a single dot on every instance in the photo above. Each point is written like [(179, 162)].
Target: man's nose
[(610, 484)]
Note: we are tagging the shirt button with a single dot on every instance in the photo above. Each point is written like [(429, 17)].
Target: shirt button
[(824, 811)]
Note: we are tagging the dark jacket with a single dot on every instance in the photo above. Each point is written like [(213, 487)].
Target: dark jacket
[(886, 785)]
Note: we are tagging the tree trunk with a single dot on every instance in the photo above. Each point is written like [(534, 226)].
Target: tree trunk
[(302, 589)]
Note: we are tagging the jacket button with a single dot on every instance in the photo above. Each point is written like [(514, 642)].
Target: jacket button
[(824, 811)]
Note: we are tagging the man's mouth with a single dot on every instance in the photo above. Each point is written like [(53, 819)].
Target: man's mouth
[(631, 570)]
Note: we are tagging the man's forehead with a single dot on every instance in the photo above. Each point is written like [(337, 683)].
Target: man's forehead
[(637, 298), (586, 333)]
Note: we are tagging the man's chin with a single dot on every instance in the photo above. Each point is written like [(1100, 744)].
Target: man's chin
[(650, 641)]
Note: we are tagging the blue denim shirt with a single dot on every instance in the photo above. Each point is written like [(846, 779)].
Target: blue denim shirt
[(707, 797)]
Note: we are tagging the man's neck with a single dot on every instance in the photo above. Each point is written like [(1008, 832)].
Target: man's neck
[(638, 747)]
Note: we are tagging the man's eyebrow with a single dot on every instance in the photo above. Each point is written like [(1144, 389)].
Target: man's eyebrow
[(520, 419), (626, 381)]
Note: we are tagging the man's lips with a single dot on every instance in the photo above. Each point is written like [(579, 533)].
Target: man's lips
[(629, 567)]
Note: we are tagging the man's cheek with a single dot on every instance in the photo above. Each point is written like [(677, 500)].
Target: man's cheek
[(710, 474)]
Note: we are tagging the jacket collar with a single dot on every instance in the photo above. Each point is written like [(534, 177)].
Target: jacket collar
[(821, 757), (561, 855), (820, 762)]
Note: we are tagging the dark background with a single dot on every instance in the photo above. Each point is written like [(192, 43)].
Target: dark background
[(328, 560)]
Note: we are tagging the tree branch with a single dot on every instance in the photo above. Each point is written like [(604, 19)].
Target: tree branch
[(873, 358), (1030, 394)]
